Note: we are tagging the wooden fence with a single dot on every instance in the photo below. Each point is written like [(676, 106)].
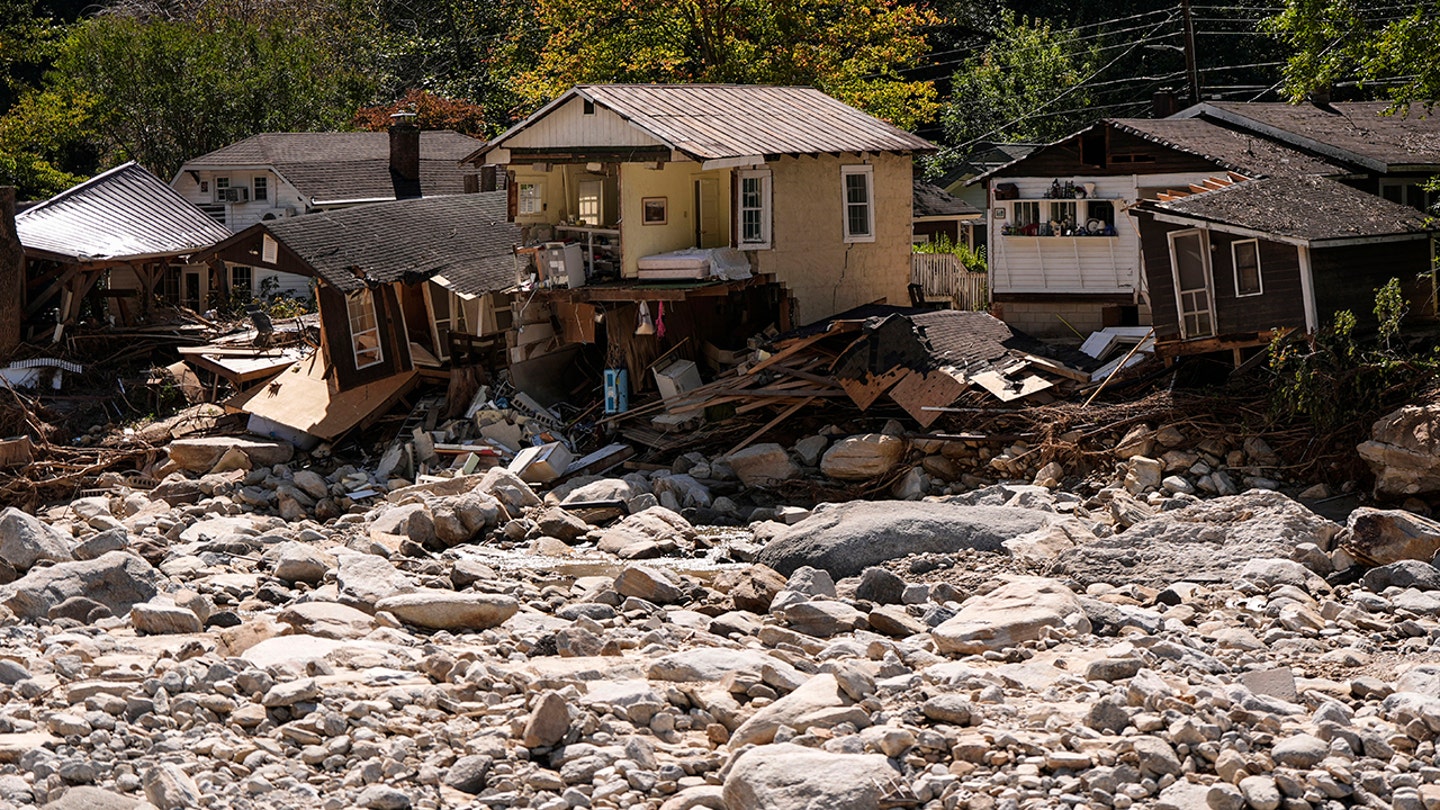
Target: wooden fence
[(942, 277)]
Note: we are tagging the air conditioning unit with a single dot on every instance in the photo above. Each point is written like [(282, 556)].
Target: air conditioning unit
[(233, 194)]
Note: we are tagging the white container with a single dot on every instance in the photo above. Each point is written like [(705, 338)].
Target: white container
[(543, 464), (677, 378)]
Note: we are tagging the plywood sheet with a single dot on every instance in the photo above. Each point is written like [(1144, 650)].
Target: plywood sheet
[(933, 389), (301, 398), (1008, 390)]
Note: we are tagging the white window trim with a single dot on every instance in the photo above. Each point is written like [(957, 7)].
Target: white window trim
[(355, 350), (1235, 268), (868, 172), (539, 199), (255, 183), (766, 210)]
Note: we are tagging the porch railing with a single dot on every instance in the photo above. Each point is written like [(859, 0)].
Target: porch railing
[(942, 276)]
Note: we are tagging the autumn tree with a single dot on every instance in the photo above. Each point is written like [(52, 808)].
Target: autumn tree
[(1382, 45), (855, 50), (431, 112)]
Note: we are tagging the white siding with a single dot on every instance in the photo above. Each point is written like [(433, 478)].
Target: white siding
[(1074, 264), (569, 126), (284, 200)]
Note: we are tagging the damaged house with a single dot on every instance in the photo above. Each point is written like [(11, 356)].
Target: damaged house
[(277, 175), (400, 287), (106, 247)]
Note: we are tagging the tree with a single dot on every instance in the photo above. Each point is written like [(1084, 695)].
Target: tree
[(46, 144), (1028, 84), (1336, 41), (161, 91), (431, 112), (854, 50)]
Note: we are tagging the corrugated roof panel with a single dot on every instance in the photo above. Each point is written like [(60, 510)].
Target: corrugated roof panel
[(124, 213)]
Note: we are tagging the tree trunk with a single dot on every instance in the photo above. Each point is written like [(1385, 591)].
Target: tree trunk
[(12, 275)]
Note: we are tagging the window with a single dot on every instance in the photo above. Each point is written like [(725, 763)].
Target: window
[(242, 282), (364, 329), (1099, 216), (589, 107), (222, 182), (1092, 148), (1247, 267), (1062, 218), (591, 193), (1026, 213), (753, 210), (859, 208), (262, 188), (531, 199), (1408, 192), (1190, 264)]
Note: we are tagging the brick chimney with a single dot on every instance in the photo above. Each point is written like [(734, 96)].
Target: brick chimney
[(405, 147), (1164, 104)]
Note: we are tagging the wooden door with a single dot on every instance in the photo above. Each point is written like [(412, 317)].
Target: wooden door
[(707, 213), (1194, 290)]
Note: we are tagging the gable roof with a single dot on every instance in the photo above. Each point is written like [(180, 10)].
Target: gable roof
[(1223, 146), (463, 238), (1356, 132), (933, 201), (123, 214), (1303, 210), (346, 166), (717, 121)]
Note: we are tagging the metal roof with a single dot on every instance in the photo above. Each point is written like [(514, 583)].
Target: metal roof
[(465, 237), (344, 166), (125, 213), (715, 121)]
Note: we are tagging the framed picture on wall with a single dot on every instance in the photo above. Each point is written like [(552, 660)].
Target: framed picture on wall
[(653, 211)]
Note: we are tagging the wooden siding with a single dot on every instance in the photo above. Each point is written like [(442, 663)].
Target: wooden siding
[(1347, 277), (1063, 159), (568, 126), (335, 326)]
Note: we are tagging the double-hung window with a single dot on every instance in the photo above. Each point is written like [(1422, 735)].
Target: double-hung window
[(1246, 254), (530, 199), (752, 205), (262, 188), (859, 214), (364, 329)]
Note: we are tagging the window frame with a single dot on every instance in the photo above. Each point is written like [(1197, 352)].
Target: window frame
[(1235, 268), (866, 171), (1208, 270), (765, 210), (538, 199), (260, 187), (362, 298), (249, 272)]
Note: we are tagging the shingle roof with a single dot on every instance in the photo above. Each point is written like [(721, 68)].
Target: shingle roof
[(713, 121), (1357, 131), (464, 237), (125, 213), (1243, 152), (932, 201), (333, 166), (1309, 209)]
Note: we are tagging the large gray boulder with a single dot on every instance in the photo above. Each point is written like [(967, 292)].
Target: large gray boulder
[(1384, 536), (117, 580), (25, 540), (1209, 541), (203, 453), (794, 777), (1022, 610), (1404, 451), (845, 539)]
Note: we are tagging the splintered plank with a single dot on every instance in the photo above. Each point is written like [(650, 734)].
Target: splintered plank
[(783, 415), (922, 393)]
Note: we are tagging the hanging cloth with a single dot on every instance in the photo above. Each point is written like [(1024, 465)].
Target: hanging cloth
[(660, 322)]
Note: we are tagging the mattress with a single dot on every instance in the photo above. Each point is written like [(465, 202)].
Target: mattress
[(678, 264)]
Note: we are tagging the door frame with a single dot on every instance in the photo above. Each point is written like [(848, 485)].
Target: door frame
[(700, 211), (1203, 234)]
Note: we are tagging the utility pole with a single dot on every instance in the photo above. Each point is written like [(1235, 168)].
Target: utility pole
[(1191, 71)]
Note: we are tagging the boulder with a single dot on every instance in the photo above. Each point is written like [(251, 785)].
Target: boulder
[(25, 540), (328, 620), (863, 457), (762, 465), (162, 619), (1384, 536), (93, 798), (650, 584), (448, 610), (1021, 610), (654, 525), (202, 454), (118, 580), (411, 520), (507, 488), (548, 722), (1210, 541), (365, 579), (1404, 451), (794, 777), (847, 538), (1404, 574), (817, 703), (300, 562), (169, 788), (754, 588), (561, 524)]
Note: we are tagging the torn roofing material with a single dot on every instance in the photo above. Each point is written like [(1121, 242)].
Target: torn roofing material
[(122, 214), (464, 237)]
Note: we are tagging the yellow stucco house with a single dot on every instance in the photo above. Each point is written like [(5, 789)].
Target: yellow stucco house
[(816, 194)]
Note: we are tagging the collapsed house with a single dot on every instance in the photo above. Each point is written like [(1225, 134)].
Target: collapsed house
[(104, 249), (402, 287)]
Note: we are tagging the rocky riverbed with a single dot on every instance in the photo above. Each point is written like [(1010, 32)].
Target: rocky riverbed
[(466, 644)]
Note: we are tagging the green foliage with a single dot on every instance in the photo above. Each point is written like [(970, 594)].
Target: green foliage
[(1028, 84), (162, 90), (46, 144), (852, 49), (1332, 41), (972, 258), (1334, 381)]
